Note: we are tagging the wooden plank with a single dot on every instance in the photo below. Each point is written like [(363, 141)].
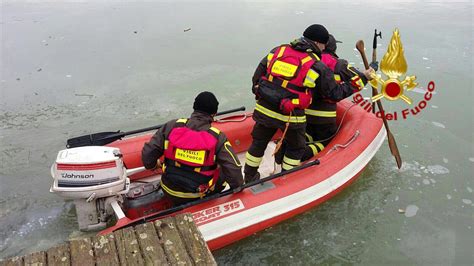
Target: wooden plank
[(153, 253), (194, 241), (13, 261), (128, 247), (37, 259), (82, 252), (173, 245), (105, 250), (59, 255)]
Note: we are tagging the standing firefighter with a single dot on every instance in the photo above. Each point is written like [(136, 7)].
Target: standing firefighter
[(283, 83), (321, 114), (198, 158)]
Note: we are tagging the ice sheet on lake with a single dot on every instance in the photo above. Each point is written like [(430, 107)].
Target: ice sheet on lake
[(411, 210), (438, 124), (438, 169)]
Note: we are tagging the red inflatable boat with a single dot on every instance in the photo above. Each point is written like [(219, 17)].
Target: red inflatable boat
[(135, 196)]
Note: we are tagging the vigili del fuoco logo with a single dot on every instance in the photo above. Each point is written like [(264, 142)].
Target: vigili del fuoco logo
[(394, 66)]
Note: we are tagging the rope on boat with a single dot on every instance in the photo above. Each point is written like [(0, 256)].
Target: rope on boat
[(224, 120)]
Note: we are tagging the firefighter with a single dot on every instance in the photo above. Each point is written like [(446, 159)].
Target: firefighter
[(283, 84), (198, 158), (321, 115)]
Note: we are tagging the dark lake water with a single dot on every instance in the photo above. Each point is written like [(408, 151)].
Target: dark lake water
[(70, 68)]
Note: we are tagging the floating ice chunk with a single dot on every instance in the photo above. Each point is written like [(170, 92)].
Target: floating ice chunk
[(434, 106), (433, 181), (426, 181), (438, 124), (416, 175), (467, 201), (68, 76), (438, 169), (448, 196), (396, 198), (299, 12), (445, 160), (428, 67), (411, 210), (425, 58), (471, 159), (469, 189)]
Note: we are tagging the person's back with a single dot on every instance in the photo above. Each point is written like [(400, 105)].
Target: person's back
[(198, 159), (321, 114)]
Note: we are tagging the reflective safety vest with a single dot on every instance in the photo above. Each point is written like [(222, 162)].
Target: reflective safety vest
[(194, 152), (291, 69)]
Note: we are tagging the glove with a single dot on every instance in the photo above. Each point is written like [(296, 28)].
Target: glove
[(287, 106), (374, 65)]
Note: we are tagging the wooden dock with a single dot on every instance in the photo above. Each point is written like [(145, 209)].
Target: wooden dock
[(170, 241)]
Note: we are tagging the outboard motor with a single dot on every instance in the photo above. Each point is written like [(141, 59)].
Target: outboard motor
[(95, 178)]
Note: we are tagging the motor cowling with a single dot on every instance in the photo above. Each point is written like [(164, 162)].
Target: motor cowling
[(94, 176)]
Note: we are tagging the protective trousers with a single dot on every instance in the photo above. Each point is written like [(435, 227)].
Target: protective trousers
[(295, 145), (317, 136)]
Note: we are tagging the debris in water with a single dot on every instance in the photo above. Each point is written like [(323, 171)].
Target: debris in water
[(438, 169), (135, 32), (401, 211), (438, 124), (188, 29), (39, 69), (411, 210), (445, 160), (18, 79), (448, 196), (467, 201)]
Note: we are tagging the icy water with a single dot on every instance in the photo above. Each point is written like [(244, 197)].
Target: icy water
[(70, 68)]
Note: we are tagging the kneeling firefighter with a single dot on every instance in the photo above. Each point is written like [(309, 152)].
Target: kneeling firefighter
[(283, 84), (198, 158), (321, 114)]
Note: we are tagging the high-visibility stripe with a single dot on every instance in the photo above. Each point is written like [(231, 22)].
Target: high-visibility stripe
[(317, 57), (291, 161), (269, 58), (337, 77), (217, 131), (320, 113), (309, 137), (226, 146), (284, 83), (270, 78), (166, 144), (305, 60), (182, 120), (313, 149), (282, 50), (186, 195), (295, 101), (288, 163), (252, 160), (310, 79), (284, 118), (320, 146)]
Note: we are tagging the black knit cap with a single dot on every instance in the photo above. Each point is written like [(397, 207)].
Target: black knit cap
[(206, 102), (317, 33)]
